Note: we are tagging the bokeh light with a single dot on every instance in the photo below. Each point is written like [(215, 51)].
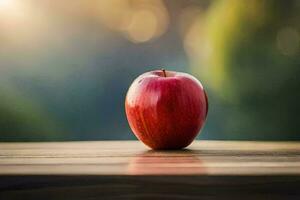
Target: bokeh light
[(6, 4), (139, 21), (65, 66), (288, 41)]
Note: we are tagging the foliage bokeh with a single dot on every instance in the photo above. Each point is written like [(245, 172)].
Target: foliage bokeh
[(65, 66)]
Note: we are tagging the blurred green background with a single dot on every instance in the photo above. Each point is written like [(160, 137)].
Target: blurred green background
[(65, 66)]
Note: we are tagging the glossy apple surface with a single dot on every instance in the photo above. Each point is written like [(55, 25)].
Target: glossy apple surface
[(166, 109)]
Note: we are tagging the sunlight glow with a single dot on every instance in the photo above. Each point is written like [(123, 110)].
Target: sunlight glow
[(10, 9), (6, 4)]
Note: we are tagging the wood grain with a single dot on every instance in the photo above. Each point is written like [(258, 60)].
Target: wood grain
[(129, 170), (131, 158)]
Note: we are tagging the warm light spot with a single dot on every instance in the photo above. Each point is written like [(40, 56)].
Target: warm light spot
[(139, 21), (288, 41), (5, 3), (187, 18), (115, 14), (194, 44), (143, 26), (10, 10), (21, 25)]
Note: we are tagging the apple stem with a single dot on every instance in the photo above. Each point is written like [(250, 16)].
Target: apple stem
[(164, 72)]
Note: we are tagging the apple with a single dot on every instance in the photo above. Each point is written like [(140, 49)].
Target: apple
[(166, 109)]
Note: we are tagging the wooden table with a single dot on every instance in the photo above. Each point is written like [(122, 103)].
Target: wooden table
[(129, 170)]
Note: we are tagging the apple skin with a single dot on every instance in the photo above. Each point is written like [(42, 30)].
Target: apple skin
[(166, 109)]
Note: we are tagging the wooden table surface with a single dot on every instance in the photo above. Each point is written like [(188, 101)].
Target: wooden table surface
[(129, 170)]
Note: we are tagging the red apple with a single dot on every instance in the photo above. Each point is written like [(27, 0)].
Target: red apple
[(166, 109)]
